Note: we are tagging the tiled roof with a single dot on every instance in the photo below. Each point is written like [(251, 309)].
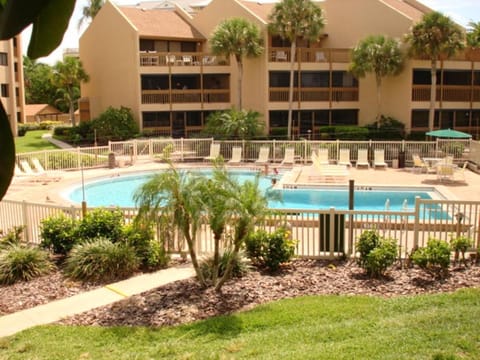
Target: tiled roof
[(35, 109), (262, 10), (164, 23), (405, 9)]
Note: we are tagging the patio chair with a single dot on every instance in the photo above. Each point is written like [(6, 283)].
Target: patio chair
[(362, 158), (322, 156), (187, 60), (38, 166), (379, 158), (263, 156), (460, 172), (214, 152), (170, 59), (419, 164), (27, 169), (344, 158), (445, 172), (320, 56), (18, 171), (289, 157), (236, 155), (281, 55)]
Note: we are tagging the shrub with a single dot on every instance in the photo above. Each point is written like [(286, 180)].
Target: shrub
[(12, 237), (100, 260), (101, 223), (22, 130), (270, 250), (387, 128), (434, 258), (114, 124), (376, 253), (460, 245), (239, 267), (21, 263), (57, 234), (150, 252)]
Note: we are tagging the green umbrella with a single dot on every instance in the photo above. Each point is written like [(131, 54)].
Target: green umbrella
[(449, 133)]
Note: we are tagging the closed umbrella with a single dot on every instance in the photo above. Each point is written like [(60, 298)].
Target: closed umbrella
[(449, 133)]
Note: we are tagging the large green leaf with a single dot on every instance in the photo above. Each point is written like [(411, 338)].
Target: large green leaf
[(7, 152), (49, 27), (16, 15)]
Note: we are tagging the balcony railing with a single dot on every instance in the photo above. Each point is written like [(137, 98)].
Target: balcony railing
[(455, 93), (306, 55), (315, 94), (181, 59), (185, 96)]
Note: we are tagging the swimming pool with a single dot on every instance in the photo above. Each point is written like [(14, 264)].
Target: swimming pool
[(118, 191)]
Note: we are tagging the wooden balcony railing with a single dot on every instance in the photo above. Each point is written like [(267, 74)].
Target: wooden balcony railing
[(181, 59), (307, 55), (185, 96), (315, 94), (455, 93)]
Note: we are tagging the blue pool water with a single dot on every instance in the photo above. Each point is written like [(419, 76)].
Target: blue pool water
[(118, 191)]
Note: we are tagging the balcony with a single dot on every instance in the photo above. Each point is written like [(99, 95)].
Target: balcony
[(308, 55), (181, 59), (187, 96), (454, 93), (336, 94)]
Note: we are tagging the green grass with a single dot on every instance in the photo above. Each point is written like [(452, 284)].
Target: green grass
[(441, 326), (32, 141)]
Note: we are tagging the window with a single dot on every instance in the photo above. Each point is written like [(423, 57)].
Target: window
[(457, 77), (147, 45), (345, 117), (194, 118), (4, 90), (279, 79), (3, 59), (343, 79), (156, 119), (154, 82), (315, 79), (419, 119)]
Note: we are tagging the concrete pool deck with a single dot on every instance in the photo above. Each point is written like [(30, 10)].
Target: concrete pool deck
[(47, 188)]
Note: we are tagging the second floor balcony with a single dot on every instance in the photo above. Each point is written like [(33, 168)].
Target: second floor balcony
[(334, 94), (453, 93), (310, 55), (153, 58), (186, 96)]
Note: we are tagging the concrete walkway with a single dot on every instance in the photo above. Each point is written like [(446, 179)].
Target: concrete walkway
[(58, 143), (59, 309)]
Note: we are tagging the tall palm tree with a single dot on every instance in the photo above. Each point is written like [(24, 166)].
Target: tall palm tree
[(238, 38), (174, 197), (67, 76), (90, 11), (293, 20), (436, 36), (473, 34), (378, 55)]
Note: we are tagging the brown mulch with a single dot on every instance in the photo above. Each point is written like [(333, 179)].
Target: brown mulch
[(184, 301)]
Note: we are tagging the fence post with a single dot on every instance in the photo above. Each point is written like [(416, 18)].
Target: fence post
[(337, 151), (109, 146), (79, 161), (274, 150), (25, 221), (331, 236), (416, 223), (150, 148), (45, 163)]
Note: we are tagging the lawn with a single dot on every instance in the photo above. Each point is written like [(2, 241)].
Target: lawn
[(442, 326), (32, 141)]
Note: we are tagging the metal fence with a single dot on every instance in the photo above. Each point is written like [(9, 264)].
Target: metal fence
[(320, 233)]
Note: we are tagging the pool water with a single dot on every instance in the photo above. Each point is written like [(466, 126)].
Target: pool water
[(118, 191)]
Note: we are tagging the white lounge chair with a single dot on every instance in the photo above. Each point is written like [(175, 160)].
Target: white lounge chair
[(289, 157), (263, 156), (236, 155), (419, 164), (18, 171), (214, 152), (460, 172), (362, 159), (38, 166), (327, 172), (322, 156), (379, 158), (27, 169), (344, 157)]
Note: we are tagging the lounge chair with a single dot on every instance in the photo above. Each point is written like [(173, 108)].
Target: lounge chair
[(289, 158), (419, 164), (327, 172), (344, 158), (460, 172), (214, 152), (27, 169), (322, 156), (18, 171), (38, 166), (236, 155), (362, 159), (445, 172), (263, 156), (379, 158)]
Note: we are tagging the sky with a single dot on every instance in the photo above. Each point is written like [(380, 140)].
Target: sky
[(461, 11)]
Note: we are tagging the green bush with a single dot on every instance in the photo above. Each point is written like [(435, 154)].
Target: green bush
[(460, 245), (11, 237), (387, 128), (434, 258), (376, 253), (343, 132), (151, 253), (58, 234), (22, 130), (49, 124), (270, 250), (21, 263), (239, 267), (114, 124), (100, 260), (101, 223)]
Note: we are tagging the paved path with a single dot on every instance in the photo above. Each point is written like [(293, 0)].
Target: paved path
[(59, 309), (58, 143)]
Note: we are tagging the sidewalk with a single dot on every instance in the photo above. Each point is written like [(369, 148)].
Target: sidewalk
[(56, 142), (58, 309)]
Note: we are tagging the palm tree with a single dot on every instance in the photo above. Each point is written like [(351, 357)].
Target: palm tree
[(236, 124), (378, 55), (67, 76), (293, 20), (435, 36), (174, 197), (473, 34), (90, 11), (238, 38)]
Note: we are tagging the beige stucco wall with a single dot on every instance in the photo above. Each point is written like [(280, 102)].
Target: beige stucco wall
[(109, 51)]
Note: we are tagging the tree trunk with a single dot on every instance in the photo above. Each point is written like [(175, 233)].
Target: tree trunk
[(433, 95), (239, 83), (72, 108), (216, 257), (293, 49), (193, 256), (379, 98)]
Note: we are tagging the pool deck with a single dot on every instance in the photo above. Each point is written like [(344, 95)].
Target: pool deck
[(47, 188)]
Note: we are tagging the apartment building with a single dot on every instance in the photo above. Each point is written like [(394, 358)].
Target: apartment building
[(12, 92), (156, 60)]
